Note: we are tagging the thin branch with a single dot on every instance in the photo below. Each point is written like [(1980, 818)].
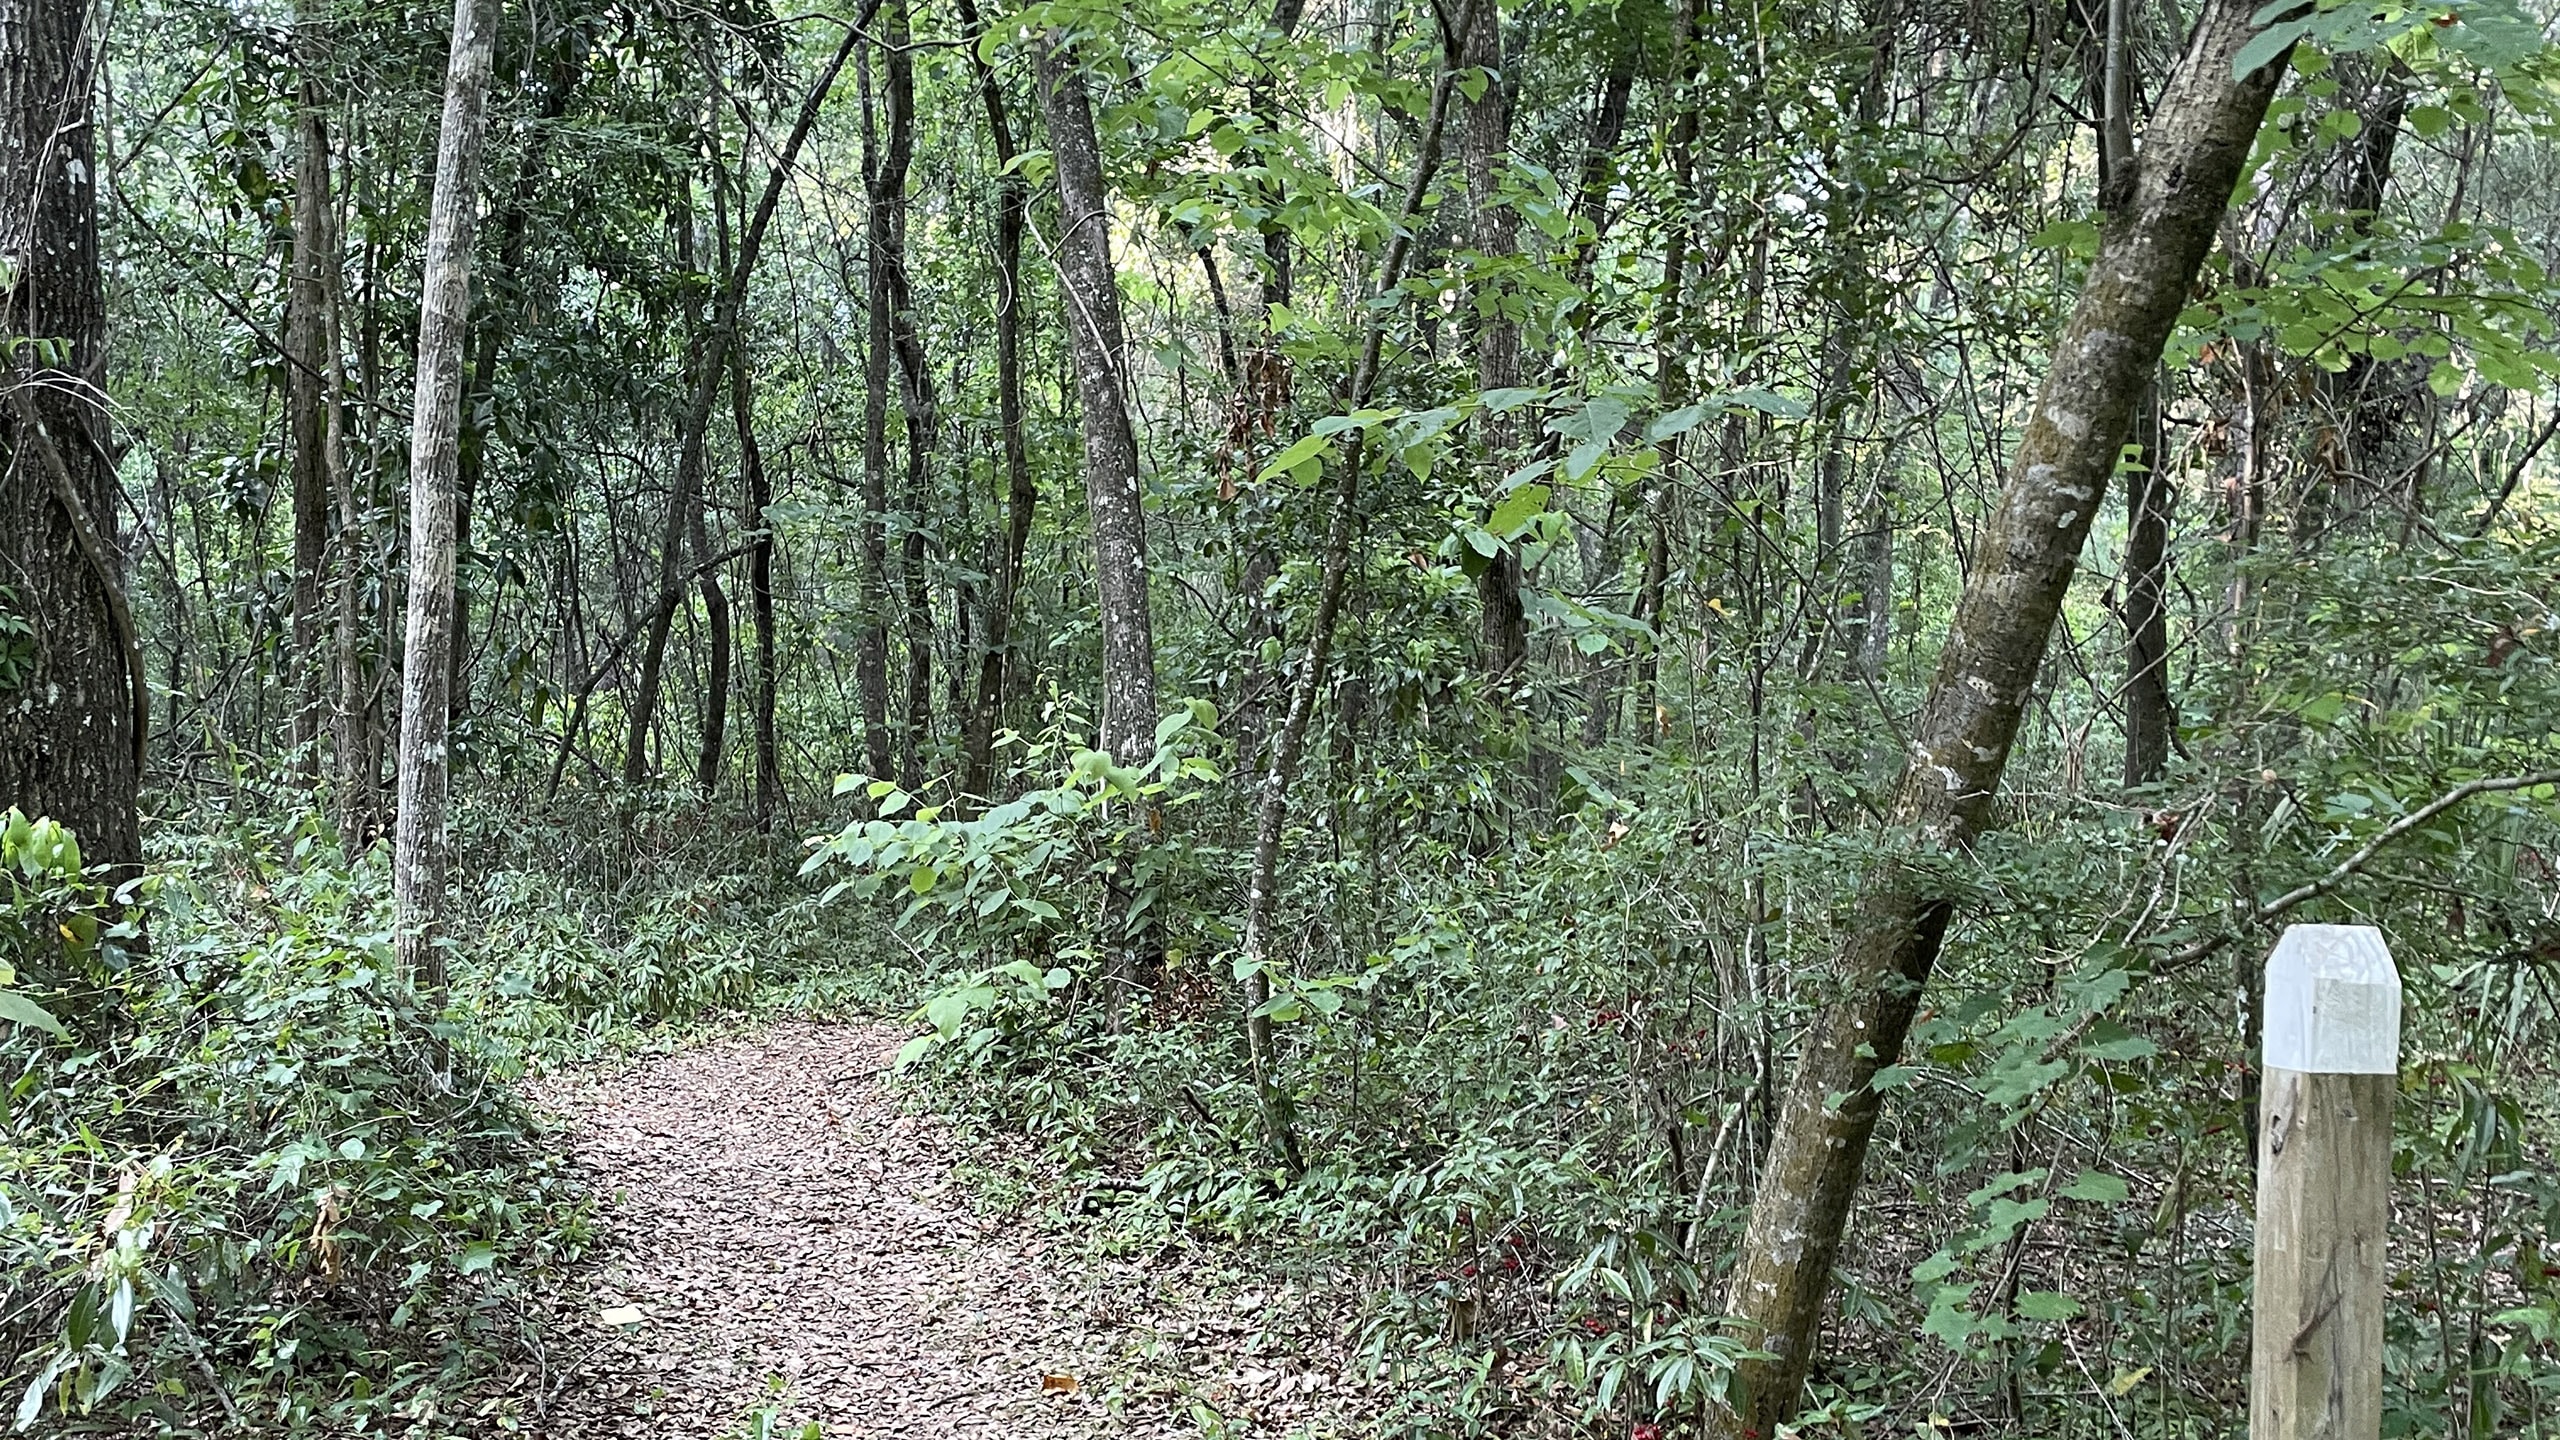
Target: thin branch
[(2260, 914)]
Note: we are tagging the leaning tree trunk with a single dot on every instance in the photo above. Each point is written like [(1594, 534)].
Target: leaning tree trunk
[(708, 379), (426, 668), (2152, 243), (73, 704)]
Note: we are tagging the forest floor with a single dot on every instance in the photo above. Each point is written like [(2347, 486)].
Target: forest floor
[(780, 1232)]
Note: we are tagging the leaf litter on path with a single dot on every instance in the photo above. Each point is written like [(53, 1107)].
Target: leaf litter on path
[(782, 1234)]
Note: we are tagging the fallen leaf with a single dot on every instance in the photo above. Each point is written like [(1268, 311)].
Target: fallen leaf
[(1057, 1384), (624, 1315)]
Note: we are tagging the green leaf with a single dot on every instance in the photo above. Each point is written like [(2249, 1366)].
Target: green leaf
[(923, 879), (2097, 1187), (23, 1011), (1310, 449), (2046, 1305), (1948, 1320), (2018, 1075), (2113, 1043), (477, 1256), (1516, 511), (2269, 43)]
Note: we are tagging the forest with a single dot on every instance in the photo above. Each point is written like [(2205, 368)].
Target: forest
[(1284, 718)]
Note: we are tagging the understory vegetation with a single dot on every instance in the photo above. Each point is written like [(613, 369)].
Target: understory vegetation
[(1625, 691)]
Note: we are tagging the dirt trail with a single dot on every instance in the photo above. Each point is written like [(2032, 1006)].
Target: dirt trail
[(790, 1238)]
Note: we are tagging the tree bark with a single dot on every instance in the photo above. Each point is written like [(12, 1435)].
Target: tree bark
[(419, 856), (305, 421), (884, 175), (1021, 495), (1670, 367), (2150, 248), (768, 791), (1113, 498), (73, 702), (1486, 136), (915, 389), (1110, 446), (2150, 713)]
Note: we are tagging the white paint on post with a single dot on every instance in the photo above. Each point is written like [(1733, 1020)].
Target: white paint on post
[(2332, 1063), (2333, 1002)]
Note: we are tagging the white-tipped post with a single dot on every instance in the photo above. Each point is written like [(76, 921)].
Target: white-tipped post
[(2332, 1027)]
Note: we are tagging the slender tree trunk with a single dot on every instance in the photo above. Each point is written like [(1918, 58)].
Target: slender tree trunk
[(1113, 500), (1097, 340), (304, 402), (2150, 714), (2150, 249), (1021, 495), (1670, 362), (426, 671), (357, 801), (915, 389), (73, 715), (768, 794), (1271, 818), (885, 186), (707, 382), (1486, 132), (715, 689), (1262, 397)]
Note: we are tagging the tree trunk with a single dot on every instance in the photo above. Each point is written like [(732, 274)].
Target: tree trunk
[(1021, 495), (355, 801), (426, 669), (1110, 445), (2149, 712), (768, 794), (915, 390), (1670, 372), (715, 688), (305, 421), (73, 701), (1486, 135), (884, 176), (1112, 494), (2150, 249)]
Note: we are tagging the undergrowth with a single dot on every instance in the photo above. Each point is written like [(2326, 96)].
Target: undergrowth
[(249, 1185)]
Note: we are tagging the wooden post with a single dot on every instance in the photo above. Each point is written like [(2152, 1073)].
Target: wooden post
[(2324, 1185)]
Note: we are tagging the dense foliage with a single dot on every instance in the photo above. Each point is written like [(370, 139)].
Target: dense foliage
[(1564, 432)]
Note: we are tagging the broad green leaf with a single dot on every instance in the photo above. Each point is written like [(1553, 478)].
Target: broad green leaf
[(2047, 1305), (1516, 511), (2097, 1187), (18, 1009)]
